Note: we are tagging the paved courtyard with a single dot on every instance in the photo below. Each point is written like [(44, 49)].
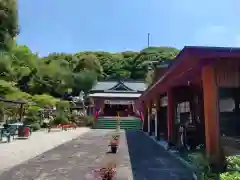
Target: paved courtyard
[(150, 161), (139, 158), (19, 151)]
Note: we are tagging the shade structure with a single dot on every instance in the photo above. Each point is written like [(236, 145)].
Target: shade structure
[(116, 95)]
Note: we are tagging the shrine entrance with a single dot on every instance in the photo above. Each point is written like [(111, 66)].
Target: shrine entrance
[(115, 108)]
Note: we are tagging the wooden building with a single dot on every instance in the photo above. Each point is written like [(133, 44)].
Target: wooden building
[(110, 97), (193, 87)]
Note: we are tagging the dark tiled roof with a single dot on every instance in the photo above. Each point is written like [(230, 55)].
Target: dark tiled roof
[(212, 48), (106, 85), (136, 86)]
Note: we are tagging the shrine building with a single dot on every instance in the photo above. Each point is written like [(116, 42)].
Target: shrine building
[(112, 98), (201, 86)]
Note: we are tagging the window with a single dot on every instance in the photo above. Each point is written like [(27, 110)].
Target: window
[(183, 107), (226, 105), (164, 101)]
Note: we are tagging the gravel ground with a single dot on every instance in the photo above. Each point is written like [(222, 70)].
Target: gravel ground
[(138, 158), (21, 150), (73, 160)]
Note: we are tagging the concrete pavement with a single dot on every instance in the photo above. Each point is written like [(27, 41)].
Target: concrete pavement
[(139, 158)]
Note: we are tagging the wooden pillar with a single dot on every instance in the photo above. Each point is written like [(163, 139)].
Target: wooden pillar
[(155, 124), (94, 107), (211, 112), (157, 118), (21, 112), (192, 105), (202, 118), (195, 106), (102, 106), (170, 114), (150, 118), (145, 117)]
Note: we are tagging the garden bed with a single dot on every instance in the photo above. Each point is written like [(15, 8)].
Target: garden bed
[(202, 170)]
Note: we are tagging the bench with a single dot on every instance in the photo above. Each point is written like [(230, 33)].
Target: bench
[(8, 132)]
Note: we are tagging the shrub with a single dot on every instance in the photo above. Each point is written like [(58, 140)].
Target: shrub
[(233, 167), (61, 120), (201, 163), (63, 106), (62, 113), (198, 160), (35, 126), (90, 121), (233, 162), (73, 117), (230, 176), (32, 115)]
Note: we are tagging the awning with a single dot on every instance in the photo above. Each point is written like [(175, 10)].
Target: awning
[(116, 95)]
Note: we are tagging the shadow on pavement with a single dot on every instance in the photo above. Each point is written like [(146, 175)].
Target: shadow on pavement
[(150, 161), (73, 160)]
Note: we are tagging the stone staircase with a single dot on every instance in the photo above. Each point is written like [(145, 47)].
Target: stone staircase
[(125, 123)]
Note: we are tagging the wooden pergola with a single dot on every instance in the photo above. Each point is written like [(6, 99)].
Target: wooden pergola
[(16, 102), (200, 71)]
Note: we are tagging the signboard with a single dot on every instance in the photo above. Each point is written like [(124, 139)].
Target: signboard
[(118, 102), (164, 101)]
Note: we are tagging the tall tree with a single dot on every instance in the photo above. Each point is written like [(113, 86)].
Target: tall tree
[(84, 81), (8, 23)]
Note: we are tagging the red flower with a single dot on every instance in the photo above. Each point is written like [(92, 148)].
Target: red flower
[(114, 142)]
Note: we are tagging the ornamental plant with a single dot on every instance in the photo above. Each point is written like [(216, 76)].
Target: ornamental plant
[(106, 173), (116, 137), (234, 162)]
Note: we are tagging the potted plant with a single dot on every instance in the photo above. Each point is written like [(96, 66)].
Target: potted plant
[(106, 173), (114, 142)]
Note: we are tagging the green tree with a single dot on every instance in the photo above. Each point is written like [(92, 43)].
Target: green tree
[(88, 61), (9, 23), (6, 70), (33, 115), (84, 81), (7, 88), (24, 66), (63, 110), (149, 77), (45, 101)]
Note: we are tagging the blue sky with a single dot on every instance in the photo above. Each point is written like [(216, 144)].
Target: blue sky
[(119, 25)]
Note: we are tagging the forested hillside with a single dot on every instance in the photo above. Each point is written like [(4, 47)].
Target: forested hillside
[(25, 74)]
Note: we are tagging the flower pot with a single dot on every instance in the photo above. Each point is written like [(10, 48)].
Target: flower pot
[(114, 142), (114, 149)]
